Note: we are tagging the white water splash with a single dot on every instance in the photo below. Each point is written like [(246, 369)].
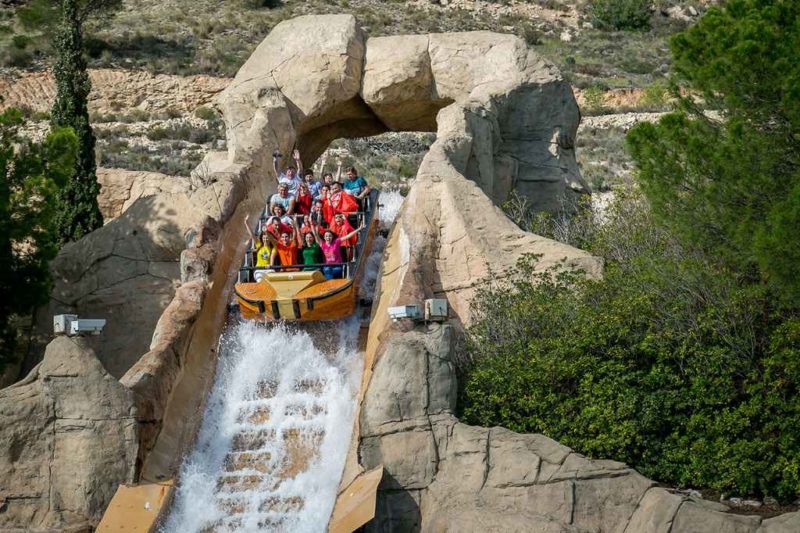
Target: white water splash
[(276, 393)]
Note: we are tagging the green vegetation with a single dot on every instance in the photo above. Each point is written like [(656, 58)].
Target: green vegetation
[(620, 14), (31, 176), (684, 360), (732, 186), (78, 212)]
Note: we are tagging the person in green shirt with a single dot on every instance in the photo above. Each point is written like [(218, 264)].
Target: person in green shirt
[(311, 252)]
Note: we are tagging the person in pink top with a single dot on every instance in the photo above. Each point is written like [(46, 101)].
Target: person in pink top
[(331, 249)]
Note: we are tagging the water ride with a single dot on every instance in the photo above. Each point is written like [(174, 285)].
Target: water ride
[(302, 292)]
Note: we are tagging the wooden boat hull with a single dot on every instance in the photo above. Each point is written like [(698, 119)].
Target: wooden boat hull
[(303, 295)]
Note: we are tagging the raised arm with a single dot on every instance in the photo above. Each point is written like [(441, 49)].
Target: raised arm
[(298, 238), (298, 162), (315, 231), (352, 233), (250, 233), (276, 155), (338, 169)]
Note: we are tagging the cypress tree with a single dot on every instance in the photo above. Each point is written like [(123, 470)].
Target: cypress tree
[(78, 212)]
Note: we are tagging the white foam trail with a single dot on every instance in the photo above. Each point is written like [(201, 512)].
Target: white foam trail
[(276, 370)]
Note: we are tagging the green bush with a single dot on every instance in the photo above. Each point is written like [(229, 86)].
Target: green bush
[(620, 14), (205, 113), (669, 363), (21, 42)]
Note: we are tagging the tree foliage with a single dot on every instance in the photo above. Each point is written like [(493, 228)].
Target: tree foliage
[(79, 212), (620, 14), (667, 363), (31, 176), (684, 360), (731, 183)]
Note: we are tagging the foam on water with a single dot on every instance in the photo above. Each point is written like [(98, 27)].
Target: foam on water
[(277, 425)]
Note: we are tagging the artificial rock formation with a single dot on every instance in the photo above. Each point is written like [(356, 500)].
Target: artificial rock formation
[(68, 437), (516, 114), (128, 270)]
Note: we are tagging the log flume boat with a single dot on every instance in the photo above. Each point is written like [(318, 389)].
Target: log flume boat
[(301, 292)]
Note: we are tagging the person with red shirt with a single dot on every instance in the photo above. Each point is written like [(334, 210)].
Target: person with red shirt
[(338, 202), (341, 227), (303, 200), (275, 227)]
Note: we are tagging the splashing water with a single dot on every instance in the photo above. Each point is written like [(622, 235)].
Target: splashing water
[(277, 424)]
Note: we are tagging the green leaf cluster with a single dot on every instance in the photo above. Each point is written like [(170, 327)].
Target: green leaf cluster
[(667, 364), (620, 14), (79, 212), (728, 180), (684, 360), (31, 176)]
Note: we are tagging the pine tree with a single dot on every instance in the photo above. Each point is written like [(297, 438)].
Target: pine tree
[(78, 212)]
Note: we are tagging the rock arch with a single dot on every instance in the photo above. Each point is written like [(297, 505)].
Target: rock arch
[(505, 117)]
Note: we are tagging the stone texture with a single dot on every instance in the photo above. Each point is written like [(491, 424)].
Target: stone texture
[(113, 89), (67, 439), (119, 188), (443, 475)]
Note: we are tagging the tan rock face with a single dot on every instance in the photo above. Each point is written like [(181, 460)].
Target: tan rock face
[(128, 270), (68, 437), (442, 475)]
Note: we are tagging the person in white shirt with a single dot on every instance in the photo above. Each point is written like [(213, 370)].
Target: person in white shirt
[(290, 176), (282, 198)]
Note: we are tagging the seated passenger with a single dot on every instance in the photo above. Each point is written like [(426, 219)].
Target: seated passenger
[(290, 176), (341, 227), (338, 202), (303, 200), (312, 184), (316, 216), (332, 250), (275, 227), (282, 197), (287, 247), (311, 252), (280, 212), (265, 251), (305, 224), (355, 185)]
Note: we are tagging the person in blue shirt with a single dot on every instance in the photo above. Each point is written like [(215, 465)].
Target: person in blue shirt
[(355, 185), (313, 185)]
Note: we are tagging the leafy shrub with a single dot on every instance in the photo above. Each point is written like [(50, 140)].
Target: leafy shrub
[(95, 46), (594, 100), (655, 96), (21, 42), (205, 113), (15, 57), (669, 363), (620, 14)]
